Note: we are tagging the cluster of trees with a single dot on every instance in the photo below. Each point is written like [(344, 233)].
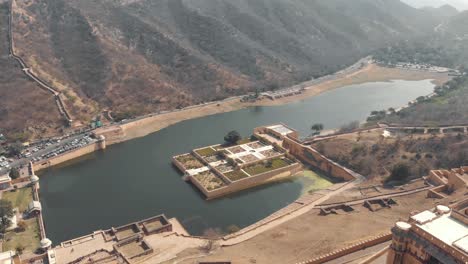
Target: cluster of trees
[(414, 52), (447, 106), (400, 172), (316, 128), (15, 149), (6, 213)]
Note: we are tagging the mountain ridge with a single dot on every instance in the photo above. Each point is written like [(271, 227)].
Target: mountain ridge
[(140, 56)]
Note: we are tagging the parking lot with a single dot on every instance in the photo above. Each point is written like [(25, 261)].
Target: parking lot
[(54, 148), (46, 149), (5, 163)]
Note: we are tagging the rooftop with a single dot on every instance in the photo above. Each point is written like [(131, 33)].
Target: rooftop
[(445, 228), (424, 217), (5, 178), (34, 205), (462, 244), (282, 129)]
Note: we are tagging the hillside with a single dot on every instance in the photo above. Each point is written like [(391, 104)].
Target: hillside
[(449, 47), (446, 46), (374, 156), (24, 107), (139, 56), (456, 26)]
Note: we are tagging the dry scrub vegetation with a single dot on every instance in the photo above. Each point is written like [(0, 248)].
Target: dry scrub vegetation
[(374, 156)]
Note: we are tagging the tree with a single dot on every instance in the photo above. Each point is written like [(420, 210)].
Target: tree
[(14, 173), (400, 172), (6, 212), (317, 128), (269, 164), (16, 148), (232, 137)]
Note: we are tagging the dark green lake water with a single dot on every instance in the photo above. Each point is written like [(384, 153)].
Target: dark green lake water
[(135, 179)]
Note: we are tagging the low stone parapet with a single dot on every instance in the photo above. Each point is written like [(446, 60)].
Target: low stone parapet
[(350, 249)]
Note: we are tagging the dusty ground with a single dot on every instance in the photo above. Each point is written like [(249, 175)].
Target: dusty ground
[(371, 73), (311, 235)]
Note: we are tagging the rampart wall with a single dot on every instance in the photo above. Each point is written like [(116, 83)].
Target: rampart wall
[(113, 134), (72, 154), (310, 156), (250, 181), (351, 249)]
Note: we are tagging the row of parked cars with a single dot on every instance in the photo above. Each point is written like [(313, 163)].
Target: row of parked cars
[(4, 163), (41, 145), (76, 143)]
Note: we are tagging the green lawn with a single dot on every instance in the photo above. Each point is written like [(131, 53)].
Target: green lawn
[(29, 239), (19, 198), (261, 167), (206, 152), (244, 141), (236, 175)]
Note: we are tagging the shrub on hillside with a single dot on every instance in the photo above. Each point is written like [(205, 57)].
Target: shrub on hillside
[(400, 172)]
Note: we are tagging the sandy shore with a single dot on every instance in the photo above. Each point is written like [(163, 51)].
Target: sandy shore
[(370, 73)]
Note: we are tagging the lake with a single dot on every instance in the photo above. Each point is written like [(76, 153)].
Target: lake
[(134, 180)]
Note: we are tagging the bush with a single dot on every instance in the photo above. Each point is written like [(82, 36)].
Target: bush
[(349, 127), (400, 172), (14, 173), (21, 226), (232, 137)]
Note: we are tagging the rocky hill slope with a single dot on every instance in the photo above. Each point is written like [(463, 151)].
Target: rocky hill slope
[(136, 56), (24, 108)]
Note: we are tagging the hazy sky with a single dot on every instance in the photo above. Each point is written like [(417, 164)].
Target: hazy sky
[(459, 4)]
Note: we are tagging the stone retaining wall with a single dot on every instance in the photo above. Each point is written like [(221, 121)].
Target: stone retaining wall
[(350, 249), (311, 156), (249, 182), (72, 154)]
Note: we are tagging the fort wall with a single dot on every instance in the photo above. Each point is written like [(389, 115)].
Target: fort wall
[(311, 156), (113, 134), (67, 156), (249, 182), (348, 250)]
